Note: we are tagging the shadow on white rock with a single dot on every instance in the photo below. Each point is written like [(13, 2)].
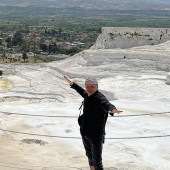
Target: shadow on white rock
[(168, 78)]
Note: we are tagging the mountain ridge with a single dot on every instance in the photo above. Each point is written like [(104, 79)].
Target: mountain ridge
[(87, 4)]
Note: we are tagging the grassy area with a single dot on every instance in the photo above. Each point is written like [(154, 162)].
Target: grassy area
[(81, 19)]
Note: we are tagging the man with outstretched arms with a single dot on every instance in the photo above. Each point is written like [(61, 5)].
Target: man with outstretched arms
[(92, 127)]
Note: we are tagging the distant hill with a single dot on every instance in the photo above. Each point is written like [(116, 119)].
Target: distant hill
[(91, 4)]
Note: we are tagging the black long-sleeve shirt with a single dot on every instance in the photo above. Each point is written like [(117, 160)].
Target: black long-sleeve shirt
[(95, 112)]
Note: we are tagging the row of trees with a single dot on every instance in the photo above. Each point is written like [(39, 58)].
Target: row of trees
[(54, 48), (24, 56)]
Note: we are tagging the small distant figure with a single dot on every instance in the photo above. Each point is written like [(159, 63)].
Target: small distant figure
[(92, 126), (124, 57)]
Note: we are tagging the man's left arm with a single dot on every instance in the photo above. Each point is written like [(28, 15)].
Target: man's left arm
[(108, 106)]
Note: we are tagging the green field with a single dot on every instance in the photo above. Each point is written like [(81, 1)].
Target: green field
[(81, 19)]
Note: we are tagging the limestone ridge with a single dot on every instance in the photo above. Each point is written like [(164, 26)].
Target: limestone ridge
[(126, 37), (141, 48)]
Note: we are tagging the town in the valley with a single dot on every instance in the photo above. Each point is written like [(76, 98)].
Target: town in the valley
[(34, 45)]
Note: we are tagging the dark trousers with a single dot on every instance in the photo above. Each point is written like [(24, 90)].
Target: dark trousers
[(93, 147)]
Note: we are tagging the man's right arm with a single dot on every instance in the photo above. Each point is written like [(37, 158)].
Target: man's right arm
[(79, 89), (75, 86)]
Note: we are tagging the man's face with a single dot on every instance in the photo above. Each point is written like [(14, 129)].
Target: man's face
[(91, 88)]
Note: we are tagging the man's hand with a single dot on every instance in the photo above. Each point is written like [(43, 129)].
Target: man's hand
[(115, 111), (69, 81)]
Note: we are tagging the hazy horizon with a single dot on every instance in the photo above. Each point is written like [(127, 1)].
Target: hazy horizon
[(114, 4)]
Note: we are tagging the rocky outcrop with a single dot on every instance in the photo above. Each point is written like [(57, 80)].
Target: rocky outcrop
[(126, 37)]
